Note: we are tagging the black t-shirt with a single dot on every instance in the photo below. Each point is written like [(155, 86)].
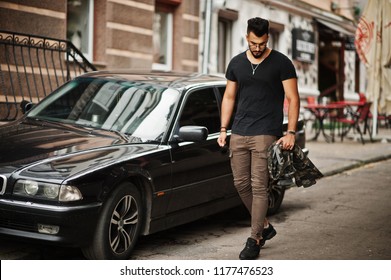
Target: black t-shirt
[(260, 97)]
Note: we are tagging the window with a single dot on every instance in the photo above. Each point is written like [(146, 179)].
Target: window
[(275, 29), (273, 39), (224, 45), (201, 109), (162, 40), (135, 109), (224, 33), (80, 25)]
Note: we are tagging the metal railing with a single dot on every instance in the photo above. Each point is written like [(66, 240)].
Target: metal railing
[(32, 66)]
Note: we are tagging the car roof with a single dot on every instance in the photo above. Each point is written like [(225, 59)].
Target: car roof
[(177, 80)]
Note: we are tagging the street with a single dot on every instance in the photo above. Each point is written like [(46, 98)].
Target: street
[(345, 216)]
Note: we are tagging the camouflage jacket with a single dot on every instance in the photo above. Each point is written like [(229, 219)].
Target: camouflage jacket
[(293, 164)]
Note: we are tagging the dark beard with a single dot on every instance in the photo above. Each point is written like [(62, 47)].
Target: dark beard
[(258, 55)]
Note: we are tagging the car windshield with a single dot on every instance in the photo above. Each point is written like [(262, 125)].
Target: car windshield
[(134, 109)]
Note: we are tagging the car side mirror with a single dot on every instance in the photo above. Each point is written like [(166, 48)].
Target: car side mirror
[(192, 133)]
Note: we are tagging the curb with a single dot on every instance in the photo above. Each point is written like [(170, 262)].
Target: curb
[(357, 165)]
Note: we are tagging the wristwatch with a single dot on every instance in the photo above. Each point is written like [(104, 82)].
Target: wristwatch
[(292, 132)]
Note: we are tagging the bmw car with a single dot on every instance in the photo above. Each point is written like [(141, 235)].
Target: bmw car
[(110, 156)]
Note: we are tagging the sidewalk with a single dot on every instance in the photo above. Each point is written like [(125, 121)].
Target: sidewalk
[(336, 157)]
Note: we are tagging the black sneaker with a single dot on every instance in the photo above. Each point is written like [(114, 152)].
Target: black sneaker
[(251, 250), (267, 234)]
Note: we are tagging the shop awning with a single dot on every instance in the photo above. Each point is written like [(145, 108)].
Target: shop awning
[(338, 28)]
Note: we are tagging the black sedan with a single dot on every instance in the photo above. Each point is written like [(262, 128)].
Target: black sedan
[(108, 157)]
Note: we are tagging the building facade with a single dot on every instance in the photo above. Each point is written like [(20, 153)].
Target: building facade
[(159, 34), (317, 35), (200, 35)]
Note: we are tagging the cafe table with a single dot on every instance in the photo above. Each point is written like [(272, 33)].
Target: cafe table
[(321, 112)]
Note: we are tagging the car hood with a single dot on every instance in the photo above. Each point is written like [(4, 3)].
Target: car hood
[(60, 151)]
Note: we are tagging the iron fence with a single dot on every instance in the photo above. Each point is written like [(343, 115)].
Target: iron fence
[(32, 66)]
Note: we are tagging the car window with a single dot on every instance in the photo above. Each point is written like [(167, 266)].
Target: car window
[(135, 109), (201, 109)]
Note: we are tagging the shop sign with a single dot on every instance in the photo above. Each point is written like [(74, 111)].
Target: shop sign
[(303, 45), (349, 44)]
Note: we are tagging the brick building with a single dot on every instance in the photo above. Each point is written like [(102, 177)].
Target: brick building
[(198, 35), (161, 34)]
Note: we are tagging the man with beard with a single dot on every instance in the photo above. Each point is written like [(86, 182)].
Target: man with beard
[(258, 80)]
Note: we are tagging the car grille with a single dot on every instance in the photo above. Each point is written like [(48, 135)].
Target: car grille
[(17, 221)]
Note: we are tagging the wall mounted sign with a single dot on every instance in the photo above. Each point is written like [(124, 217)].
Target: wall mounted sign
[(303, 45)]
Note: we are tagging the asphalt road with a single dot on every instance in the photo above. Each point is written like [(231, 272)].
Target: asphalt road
[(345, 216)]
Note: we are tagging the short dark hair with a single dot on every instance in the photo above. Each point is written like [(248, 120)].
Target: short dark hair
[(258, 26)]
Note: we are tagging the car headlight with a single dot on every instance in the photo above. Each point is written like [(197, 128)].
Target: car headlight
[(31, 188)]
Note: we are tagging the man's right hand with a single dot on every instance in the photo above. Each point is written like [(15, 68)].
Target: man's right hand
[(221, 140)]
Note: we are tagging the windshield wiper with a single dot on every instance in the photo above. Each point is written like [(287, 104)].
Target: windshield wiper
[(122, 135), (128, 138)]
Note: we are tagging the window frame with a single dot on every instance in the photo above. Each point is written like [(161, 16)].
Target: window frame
[(169, 43), (224, 44), (90, 32), (196, 90)]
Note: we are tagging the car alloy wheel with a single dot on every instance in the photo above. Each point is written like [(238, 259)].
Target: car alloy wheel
[(119, 226), (123, 224)]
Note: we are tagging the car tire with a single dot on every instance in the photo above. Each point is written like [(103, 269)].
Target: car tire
[(276, 196), (119, 226)]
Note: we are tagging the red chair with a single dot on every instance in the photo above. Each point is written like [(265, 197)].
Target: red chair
[(355, 120), (362, 97), (381, 118), (386, 119)]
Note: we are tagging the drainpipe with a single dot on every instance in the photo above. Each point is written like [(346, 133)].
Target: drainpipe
[(207, 32)]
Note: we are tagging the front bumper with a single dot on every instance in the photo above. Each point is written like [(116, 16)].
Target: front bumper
[(76, 223)]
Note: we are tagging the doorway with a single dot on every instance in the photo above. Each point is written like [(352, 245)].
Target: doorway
[(331, 64)]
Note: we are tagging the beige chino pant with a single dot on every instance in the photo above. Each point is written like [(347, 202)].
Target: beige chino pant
[(251, 177)]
